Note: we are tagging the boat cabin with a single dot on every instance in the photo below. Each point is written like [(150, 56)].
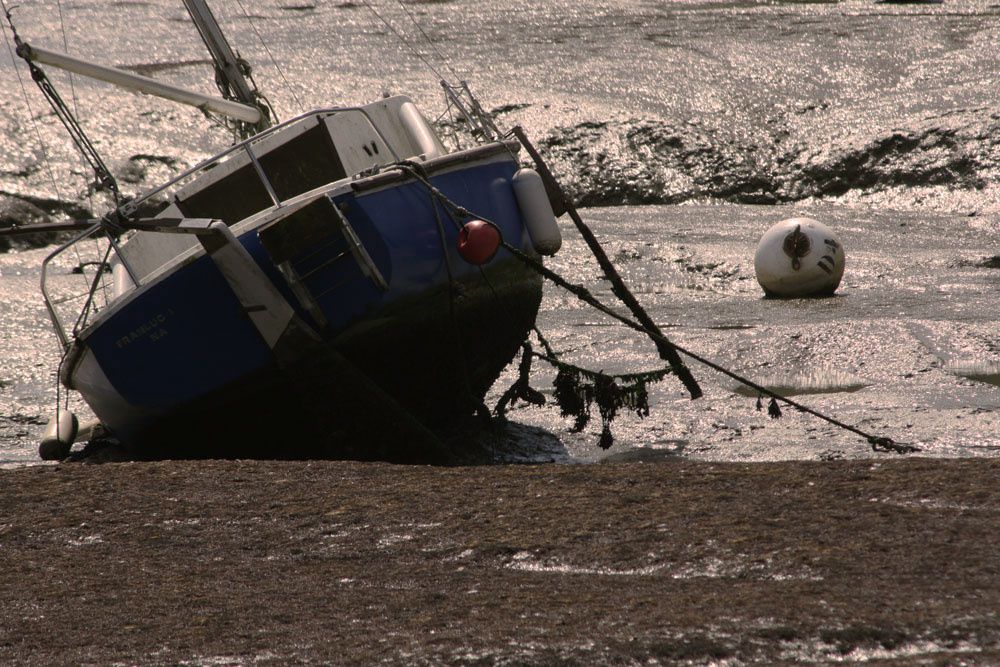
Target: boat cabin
[(300, 156)]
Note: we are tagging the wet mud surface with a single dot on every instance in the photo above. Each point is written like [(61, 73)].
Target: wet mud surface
[(264, 563)]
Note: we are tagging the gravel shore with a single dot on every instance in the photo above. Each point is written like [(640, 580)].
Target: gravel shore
[(261, 563)]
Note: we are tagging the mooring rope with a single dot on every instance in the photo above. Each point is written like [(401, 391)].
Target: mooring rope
[(878, 443), (456, 212)]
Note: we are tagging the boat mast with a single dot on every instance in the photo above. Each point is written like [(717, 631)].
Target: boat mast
[(231, 71)]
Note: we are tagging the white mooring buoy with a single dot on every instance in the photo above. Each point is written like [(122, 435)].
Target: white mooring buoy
[(799, 257)]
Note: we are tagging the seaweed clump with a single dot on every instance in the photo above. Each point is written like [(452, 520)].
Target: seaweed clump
[(577, 390)]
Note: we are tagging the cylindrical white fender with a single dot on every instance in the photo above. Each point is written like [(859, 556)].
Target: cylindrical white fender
[(59, 435), (536, 210), (799, 257), (420, 131)]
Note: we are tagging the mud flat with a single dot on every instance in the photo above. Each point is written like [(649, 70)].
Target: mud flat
[(234, 562)]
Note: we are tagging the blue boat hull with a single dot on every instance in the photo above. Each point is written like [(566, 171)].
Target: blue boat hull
[(179, 369)]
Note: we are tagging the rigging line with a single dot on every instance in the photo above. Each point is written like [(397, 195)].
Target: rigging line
[(453, 124), (270, 55), (402, 39), (105, 180), (27, 103), (72, 90), (72, 86), (429, 41), (76, 112)]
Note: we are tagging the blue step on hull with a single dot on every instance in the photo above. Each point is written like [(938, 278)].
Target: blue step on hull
[(178, 368)]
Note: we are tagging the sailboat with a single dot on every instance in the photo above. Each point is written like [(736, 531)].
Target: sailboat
[(325, 285)]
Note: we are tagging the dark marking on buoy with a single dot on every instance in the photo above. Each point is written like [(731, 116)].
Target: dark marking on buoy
[(375, 147), (366, 150), (821, 263), (833, 244), (796, 246)]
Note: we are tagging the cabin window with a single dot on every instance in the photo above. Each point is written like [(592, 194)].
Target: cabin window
[(296, 166)]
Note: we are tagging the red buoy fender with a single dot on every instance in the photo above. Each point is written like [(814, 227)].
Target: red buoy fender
[(478, 241)]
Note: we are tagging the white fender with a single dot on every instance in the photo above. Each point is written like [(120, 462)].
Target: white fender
[(420, 131), (536, 210), (59, 435), (121, 281), (799, 257)]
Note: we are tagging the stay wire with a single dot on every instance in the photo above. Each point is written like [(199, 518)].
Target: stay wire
[(81, 320), (403, 39), (430, 42), (72, 126), (72, 85), (76, 112), (31, 114), (270, 55), (27, 102)]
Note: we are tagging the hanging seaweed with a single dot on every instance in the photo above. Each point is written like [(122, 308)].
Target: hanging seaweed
[(613, 392), (521, 389), (577, 389), (773, 409), (637, 400), (573, 396)]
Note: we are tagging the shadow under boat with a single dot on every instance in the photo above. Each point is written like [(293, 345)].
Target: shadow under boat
[(469, 442)]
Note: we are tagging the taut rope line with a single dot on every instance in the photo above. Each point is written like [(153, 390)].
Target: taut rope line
[(456, 212)]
